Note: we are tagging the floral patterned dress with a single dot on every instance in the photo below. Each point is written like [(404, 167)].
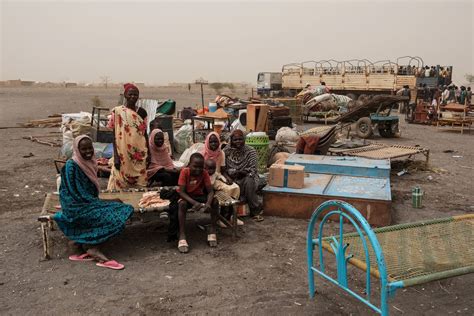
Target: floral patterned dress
[(130, 142)]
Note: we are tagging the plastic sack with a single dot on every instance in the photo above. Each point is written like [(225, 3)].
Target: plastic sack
[(286, 135), (183, 138), (78, 123), (184, 159), (236, 124), (68, 140)]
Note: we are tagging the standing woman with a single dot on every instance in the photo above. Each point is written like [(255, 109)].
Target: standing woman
[(130, 143), (84, 218), (241, 166)]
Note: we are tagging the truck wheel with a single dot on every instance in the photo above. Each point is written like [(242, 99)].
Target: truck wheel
[(364, 127)]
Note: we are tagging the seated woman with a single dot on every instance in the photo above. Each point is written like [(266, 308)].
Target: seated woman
[(84, 218), (241, 167), (212, 150), (161, 168)]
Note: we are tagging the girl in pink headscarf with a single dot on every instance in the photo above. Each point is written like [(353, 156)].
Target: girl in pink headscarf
[(161, 168), (212, 150)]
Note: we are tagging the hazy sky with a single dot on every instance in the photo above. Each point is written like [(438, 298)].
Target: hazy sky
[(180, 41)]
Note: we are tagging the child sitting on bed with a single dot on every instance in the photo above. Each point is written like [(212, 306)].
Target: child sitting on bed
[(220, 183), (195, 190)]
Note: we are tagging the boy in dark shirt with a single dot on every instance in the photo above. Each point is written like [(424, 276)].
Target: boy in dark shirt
[(195, 190)]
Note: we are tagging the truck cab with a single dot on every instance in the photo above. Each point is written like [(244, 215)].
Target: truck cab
[(269, 83)]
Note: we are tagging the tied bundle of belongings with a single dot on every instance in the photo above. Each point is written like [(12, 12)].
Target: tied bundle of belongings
[(327, 102), (152, 200)]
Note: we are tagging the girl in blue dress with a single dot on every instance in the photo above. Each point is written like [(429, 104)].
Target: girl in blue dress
[(84, 218)]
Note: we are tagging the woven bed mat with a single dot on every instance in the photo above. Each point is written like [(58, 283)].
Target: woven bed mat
[(52, 205), (420, 249), (382, 151), (319, 130)]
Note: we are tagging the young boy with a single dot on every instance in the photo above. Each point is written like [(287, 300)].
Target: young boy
[(219, 183), (195, 190)]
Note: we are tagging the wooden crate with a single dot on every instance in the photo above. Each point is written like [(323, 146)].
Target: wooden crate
[(257, 115)]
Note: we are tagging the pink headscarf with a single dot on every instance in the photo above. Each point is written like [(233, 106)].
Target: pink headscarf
[(159, 156), (212, 154), (89, 167)]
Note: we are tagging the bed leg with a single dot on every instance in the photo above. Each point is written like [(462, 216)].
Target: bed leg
[(45, 237), (234, 221)]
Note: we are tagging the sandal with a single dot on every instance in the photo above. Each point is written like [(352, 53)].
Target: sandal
[(258, 218), (239, 222), (212, 240), (111, 264), (183, 246), (83, 257)]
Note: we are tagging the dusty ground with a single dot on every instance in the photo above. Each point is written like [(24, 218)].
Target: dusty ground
[(264, 272)]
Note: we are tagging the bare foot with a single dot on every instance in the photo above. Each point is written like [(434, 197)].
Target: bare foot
[(97, 254)]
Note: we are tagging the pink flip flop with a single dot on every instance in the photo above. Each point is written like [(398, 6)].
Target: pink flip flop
[(111, 264), (83, 257)]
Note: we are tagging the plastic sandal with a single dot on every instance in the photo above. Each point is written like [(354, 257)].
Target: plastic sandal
[(183, 246), (239, 222), (111, 264), (258, 218), (83, 257), (212, 240)]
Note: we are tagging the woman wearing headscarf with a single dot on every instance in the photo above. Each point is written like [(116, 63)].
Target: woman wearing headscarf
[(161, 168), (84, 218), (212, 150), (241, 167), (130, 143)]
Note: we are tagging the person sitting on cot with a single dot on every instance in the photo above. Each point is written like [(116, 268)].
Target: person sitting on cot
[(161, 168), (195, 190), (84, 219), (220, 183)]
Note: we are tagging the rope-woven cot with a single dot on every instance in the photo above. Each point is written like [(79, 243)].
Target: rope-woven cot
[(383, 151), (52, 205), (400, 255)]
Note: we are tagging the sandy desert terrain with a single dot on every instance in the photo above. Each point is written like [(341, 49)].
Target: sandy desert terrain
[(263, 272)]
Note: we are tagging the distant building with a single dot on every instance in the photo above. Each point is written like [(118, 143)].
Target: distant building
[(70, 84), (14, 83)]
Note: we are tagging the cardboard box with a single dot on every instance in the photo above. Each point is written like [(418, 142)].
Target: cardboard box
[(289, 176)]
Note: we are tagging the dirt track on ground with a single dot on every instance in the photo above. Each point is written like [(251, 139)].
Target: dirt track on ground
[(263, 272)]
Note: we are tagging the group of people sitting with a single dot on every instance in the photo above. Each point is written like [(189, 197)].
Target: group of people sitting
[(140, 161)]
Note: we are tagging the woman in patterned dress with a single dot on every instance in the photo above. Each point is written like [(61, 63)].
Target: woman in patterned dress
[(241, 165), (130, 143)]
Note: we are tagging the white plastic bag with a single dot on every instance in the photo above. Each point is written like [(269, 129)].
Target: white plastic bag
[(183, 138), (286, 135), (195, 148)]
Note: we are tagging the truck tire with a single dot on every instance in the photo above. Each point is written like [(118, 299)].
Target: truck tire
[(363, 127)]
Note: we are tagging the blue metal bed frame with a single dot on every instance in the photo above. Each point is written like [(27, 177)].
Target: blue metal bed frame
[(349, 213)]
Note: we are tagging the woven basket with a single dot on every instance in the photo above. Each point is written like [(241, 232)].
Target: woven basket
[(260, 144)]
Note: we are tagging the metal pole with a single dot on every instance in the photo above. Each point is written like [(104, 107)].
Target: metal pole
[(202, 99)]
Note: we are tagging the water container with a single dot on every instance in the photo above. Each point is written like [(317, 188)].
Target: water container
[(417, 197), (212, 107)]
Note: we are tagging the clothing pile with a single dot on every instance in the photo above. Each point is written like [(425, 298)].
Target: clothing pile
[(152, 200)]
